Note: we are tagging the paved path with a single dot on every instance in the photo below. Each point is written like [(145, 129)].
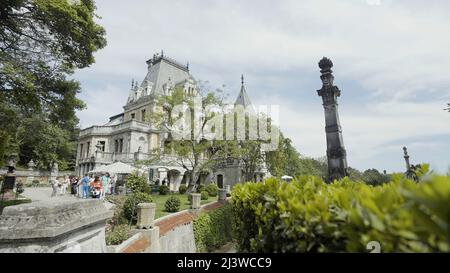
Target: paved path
[(44, 194)]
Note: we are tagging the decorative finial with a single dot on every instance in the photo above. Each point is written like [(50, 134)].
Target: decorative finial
[(162, 53), (132, 83), (325, 66), (405, 151), (242, 79), (187, 66)]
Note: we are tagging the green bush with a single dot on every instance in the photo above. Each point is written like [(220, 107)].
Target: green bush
[(129, 206), (308, 215), (138, 183), (213, 229), (35, 183), (119, 234), (163, 190), (173, 204), (212, 190), (204, 195), (200, 188), (182, 189)]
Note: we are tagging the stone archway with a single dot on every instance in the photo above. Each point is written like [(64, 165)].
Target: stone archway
[(220, 181)]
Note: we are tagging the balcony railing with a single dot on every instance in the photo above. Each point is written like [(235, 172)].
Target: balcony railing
[(106, 130)]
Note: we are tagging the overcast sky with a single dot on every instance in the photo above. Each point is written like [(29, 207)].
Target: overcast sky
[(391, 62)]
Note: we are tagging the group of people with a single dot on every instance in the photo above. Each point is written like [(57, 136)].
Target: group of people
[(88, 186), (96, 186)]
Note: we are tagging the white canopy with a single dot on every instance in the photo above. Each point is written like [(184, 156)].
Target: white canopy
[(117, 167), (286, 177)]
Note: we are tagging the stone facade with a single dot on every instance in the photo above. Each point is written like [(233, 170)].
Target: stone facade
[(129, 137), (56, 226)]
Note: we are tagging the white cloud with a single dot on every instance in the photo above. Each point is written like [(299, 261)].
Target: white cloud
[(390, 61)]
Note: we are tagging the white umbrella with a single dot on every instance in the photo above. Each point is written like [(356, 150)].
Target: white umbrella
[(118, 168)]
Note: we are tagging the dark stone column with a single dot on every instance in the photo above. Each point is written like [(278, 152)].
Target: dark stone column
[(336, 154)]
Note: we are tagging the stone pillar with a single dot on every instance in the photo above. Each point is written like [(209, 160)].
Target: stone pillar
[(336, 154), (195, 200), (228, 187), (406, 157), (145, 215), (222, 195)]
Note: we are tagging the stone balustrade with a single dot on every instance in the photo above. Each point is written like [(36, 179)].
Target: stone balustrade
[(54, 226)]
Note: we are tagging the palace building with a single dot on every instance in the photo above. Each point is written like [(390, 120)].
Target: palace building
[(129, 137)]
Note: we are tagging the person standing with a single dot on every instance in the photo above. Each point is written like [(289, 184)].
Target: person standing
[(54, 184), (65, 185), (85, 184), (113, 184), (104, 180)]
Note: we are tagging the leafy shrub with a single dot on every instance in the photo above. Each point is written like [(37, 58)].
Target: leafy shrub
[(35, 183), (138, 183), (163, 190), (212, 190), (308, 215), (200, 188), (119, 234), (172, 204), (129, 206), (19, 188), (182, 189), (204, 195), (213, 229)]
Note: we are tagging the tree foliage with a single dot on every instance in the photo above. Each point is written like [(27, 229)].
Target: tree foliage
[(41, 43)]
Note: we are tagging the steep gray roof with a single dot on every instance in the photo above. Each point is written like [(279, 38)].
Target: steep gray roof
[(243, 98)]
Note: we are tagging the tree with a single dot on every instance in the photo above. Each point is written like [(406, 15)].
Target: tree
[(41, 43), (192, 152), (286, 160), (374, 177)]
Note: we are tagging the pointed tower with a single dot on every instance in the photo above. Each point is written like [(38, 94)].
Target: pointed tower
[(336, 154), (243, 98)]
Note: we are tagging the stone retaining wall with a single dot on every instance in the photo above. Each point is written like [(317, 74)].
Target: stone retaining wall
[(172, 233)]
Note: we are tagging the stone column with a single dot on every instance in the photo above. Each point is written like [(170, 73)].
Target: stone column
[(336, 154), (406, 157), (145, 215), (222, 195), (195, 200), (228, 187)]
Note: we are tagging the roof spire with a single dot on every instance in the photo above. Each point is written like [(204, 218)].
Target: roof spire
[(187, 66), (242, 79), (162, 53)]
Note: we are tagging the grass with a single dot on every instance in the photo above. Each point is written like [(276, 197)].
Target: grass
[(160, 201)]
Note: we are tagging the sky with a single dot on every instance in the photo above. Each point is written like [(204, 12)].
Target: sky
[(390, 58)]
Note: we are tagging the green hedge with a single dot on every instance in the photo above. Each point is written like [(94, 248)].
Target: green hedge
[(308, 215), (213, 229)]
